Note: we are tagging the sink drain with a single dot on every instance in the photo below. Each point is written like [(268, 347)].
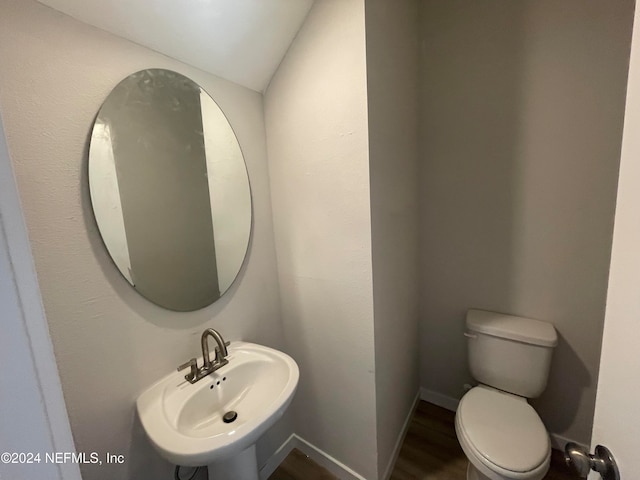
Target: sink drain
[(230, 416)]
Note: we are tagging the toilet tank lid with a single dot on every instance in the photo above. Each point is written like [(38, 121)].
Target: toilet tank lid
[(521, 329)]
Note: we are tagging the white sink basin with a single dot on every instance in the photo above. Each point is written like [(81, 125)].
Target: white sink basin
[(184, 421)]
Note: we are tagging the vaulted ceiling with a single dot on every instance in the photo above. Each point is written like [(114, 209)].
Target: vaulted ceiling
[(240, 40)]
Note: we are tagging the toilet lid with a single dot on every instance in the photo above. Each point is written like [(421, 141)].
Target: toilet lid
[(503, 429)]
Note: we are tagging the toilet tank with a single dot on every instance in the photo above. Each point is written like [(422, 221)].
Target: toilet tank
[(510, 353)]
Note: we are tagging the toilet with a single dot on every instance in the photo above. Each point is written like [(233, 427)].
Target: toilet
[(500, 433)]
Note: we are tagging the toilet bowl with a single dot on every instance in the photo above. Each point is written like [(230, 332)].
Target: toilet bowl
[(502, 436), (500, 433)]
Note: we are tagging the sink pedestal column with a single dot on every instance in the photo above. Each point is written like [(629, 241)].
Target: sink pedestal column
[(243, 466)]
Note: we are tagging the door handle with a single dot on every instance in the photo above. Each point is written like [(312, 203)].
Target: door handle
[(581, 461)]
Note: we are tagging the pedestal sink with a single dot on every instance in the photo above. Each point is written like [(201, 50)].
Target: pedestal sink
[(217, 420)]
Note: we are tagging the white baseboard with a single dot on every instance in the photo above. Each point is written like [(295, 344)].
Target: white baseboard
[(439, 399), (557, 441), (325, 460), (400, 441), (322, 458), (278, 457)]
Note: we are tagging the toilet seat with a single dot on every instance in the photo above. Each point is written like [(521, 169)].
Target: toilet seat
[(502, 435)]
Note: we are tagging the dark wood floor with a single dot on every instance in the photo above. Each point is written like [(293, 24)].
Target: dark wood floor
[(430, 452), (297, 466)]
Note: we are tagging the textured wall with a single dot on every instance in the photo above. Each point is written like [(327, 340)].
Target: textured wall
[(110, 343), (522, 120), (316, 119), (392, 91)]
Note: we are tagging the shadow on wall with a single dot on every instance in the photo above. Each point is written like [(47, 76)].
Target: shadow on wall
[(523, 107), (567, 369), (471, 88)]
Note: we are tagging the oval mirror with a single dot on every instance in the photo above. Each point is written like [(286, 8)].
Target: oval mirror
[(169, 189)]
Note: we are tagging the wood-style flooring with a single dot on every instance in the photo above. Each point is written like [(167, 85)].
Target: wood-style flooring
[(430, 452)]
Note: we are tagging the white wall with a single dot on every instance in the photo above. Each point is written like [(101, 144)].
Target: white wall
[(616, 421), (523, 105), (107, 199), (229, 192), (109, 342), (316, 120), (392, 90)]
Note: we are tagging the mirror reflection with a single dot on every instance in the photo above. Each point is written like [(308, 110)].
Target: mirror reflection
[(169, 189)]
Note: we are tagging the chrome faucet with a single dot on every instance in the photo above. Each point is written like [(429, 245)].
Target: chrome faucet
[(221, 350), (208, 366)]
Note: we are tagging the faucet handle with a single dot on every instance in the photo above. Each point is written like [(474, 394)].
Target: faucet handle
[(219, 356), (193, 373)]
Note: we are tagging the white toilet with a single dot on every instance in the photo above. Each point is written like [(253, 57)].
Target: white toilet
[(500, 433)]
